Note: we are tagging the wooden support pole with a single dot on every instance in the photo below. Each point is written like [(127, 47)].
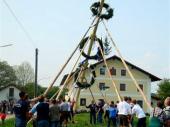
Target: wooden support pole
[(70, 73), (61, 70), (113, 83), (127, 68)]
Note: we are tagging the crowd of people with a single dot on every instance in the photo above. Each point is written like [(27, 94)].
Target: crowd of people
[(122, 114), (57, 113), (44, 113), (5, 107)]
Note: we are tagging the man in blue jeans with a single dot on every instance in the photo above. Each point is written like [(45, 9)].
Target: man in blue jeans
[(21, 110), (42, 109)]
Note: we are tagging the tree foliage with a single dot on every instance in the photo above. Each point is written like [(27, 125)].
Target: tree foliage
[(29, 89), (164, 89), (24, 73), (107, 47), (7, 74)]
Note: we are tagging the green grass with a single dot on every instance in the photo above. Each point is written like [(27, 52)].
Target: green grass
[(82, 120)]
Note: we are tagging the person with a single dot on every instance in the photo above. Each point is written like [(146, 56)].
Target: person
[(106, 111), (33, 105), (21, 111), (112, 114), (72, 111), (131, 106), (166, 110), (3, 114), (42, 109), (139, 114), (156, 116), (124, 113), (54, 114), (64, 112), (92, 107), (69, 109), (100, 112)]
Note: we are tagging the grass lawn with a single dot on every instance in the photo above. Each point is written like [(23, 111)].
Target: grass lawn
[(82, 120)]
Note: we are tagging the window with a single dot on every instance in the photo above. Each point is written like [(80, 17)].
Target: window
[(113, 71), (141, 86), (122, 87), (11, 92), (82, 101), (102, 71), (140, 102), (102, 86), (123, 72)]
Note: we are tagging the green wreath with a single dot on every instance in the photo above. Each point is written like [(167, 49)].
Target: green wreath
[(98, 55), (95, 10), (85, 84)]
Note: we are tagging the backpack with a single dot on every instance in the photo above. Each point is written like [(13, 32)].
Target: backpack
[(167, 117), (155, 121)]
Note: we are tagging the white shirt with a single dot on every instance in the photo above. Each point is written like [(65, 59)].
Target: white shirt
[(138, 111), (124, 108), (106, 107)]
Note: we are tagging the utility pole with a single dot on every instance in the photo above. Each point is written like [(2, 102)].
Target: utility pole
[(36, 72)]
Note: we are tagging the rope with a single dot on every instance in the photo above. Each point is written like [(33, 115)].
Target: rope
[(127, 68), (113, 83)]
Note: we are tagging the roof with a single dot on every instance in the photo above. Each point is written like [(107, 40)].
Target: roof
[(153, 77), (3, 87)]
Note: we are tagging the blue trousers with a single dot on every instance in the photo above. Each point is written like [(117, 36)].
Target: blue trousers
[(42, 123), (54, 124), (113, 120), (20, 122), (92, 117)]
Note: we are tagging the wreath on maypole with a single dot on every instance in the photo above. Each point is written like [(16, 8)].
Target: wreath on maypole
[(98, 55), (95, 10), (84, 84)]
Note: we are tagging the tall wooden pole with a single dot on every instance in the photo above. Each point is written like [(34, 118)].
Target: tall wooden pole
[(92, 37)]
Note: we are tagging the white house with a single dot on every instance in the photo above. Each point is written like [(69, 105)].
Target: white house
[(9, 92)]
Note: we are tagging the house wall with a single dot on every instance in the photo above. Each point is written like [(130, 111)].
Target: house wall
[(110, 94), (4, 94)]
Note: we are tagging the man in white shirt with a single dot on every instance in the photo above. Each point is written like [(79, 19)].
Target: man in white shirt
[(124, 112), (139, 114)]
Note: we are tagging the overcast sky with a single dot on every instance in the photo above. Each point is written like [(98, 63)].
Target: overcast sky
[(140, 28)]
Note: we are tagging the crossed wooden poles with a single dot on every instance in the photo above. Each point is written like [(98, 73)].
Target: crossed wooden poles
[(71, 75)]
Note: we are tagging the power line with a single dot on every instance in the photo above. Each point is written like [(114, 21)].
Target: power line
[(20, 24)]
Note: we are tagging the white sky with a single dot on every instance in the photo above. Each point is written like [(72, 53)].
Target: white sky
[(140, 28)]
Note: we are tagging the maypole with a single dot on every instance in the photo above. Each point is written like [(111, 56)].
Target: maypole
[(93, 35)]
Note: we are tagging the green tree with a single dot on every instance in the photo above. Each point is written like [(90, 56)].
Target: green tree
[(7, 74), (107, 47), (24, 73), (164, 89), (29, 89)]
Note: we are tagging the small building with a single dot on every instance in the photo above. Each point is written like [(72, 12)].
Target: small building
[(9, 92), (103, 88)]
